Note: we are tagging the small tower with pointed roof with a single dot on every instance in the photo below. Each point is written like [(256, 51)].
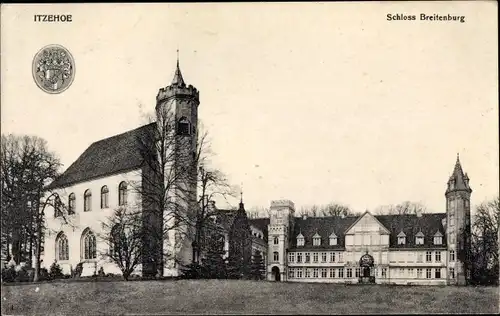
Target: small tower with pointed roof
[(458, 226)]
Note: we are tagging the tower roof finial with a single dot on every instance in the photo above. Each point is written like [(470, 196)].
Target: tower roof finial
[(178, 80)]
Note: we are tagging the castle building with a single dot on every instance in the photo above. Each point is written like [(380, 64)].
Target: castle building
[(402, 249), (394, 249), (106, 176)]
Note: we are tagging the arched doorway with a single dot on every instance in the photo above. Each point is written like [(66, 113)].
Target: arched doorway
[(366, 264), (276, 274)]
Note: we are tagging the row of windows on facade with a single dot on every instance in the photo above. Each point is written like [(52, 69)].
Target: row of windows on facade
[(339, 273), (88, 246), (419, 240), (299, 257), (87, 199)]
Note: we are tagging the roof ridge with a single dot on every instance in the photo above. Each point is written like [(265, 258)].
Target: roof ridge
[(121, 134)]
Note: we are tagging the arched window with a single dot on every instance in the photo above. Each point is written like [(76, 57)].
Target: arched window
[(71, 203), (87, 201), (183, 126), (122, 193), (104, 197), (58, 206), (89, 245), (62, 248), (276, 241), (116, 241)]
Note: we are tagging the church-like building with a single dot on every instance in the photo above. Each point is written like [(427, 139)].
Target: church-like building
[(402, 249)]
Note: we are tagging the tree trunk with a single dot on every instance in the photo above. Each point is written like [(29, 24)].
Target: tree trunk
[(38, 247)]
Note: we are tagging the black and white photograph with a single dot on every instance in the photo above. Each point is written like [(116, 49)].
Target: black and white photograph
[(250, 158)]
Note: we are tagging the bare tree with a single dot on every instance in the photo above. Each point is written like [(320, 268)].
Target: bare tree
[(212, 184), (335, 209), (484, 237), (167, 188), (123, 234), (27, 166), (330, 209), (404, 208)]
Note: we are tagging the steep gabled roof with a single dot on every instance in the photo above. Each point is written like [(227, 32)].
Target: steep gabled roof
[(411, 225), (260, 223), (111, 155), (323, 226)]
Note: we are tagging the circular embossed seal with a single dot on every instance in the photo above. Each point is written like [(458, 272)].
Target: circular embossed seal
[(53, 69)]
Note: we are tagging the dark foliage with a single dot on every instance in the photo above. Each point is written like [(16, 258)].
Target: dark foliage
[(258, 268)]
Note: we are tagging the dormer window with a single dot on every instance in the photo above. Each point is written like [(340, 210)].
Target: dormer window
[(316, 240), (300, 240), (419, 239), (401, 238), (438, 238), (183, 126), (333, 239)]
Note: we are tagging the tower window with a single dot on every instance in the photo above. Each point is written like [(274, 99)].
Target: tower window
[(276, 240), (183, 126)]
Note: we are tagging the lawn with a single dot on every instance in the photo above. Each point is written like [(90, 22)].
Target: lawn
[(240, 297)]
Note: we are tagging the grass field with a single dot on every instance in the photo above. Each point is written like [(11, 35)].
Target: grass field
[(238, 297)]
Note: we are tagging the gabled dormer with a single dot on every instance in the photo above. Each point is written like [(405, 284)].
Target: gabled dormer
[(316, 239), (300, 240), (333, 239), (401, 238), (438, 238), (419, 238)]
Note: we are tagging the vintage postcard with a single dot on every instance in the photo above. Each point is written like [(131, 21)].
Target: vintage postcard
[(250, 158)]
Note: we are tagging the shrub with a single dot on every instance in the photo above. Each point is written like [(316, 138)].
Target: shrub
[(56, 271), (193, 271), (22, 275), (101, 272), (43, 275), (8, 274), (78, 270)]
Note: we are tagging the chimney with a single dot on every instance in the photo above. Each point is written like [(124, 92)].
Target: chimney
[(304, 216), (418, 212)]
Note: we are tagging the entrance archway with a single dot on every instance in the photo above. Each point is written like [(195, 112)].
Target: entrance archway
[(366, 264), (276, 274)]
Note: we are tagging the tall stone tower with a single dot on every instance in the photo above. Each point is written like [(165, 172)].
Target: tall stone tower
[(282, 213), (457, 195), (177, 124)]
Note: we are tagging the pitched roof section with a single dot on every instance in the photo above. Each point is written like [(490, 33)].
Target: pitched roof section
[(178, 80), (260, 223), (460, 179), (411, 225), (111, 155), (397, 225), (323, 226), (367, 216)]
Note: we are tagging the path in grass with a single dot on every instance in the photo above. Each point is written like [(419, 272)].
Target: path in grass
[(228, 296)]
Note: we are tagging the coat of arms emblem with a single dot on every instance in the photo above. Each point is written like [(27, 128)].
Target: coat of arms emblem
[(53, 69)]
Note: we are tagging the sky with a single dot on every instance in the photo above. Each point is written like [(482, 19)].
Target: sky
[(316, 103)]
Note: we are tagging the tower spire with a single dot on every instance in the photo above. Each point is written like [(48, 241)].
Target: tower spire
[(178, 80)]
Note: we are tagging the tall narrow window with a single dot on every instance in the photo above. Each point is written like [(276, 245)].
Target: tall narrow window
[(87, 201), (276, 256), (71, 204), (104, 197), (62, 248), (276, 240), (89, 245), (122, 194), (183, 126), (452, 255), (58, 206)]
